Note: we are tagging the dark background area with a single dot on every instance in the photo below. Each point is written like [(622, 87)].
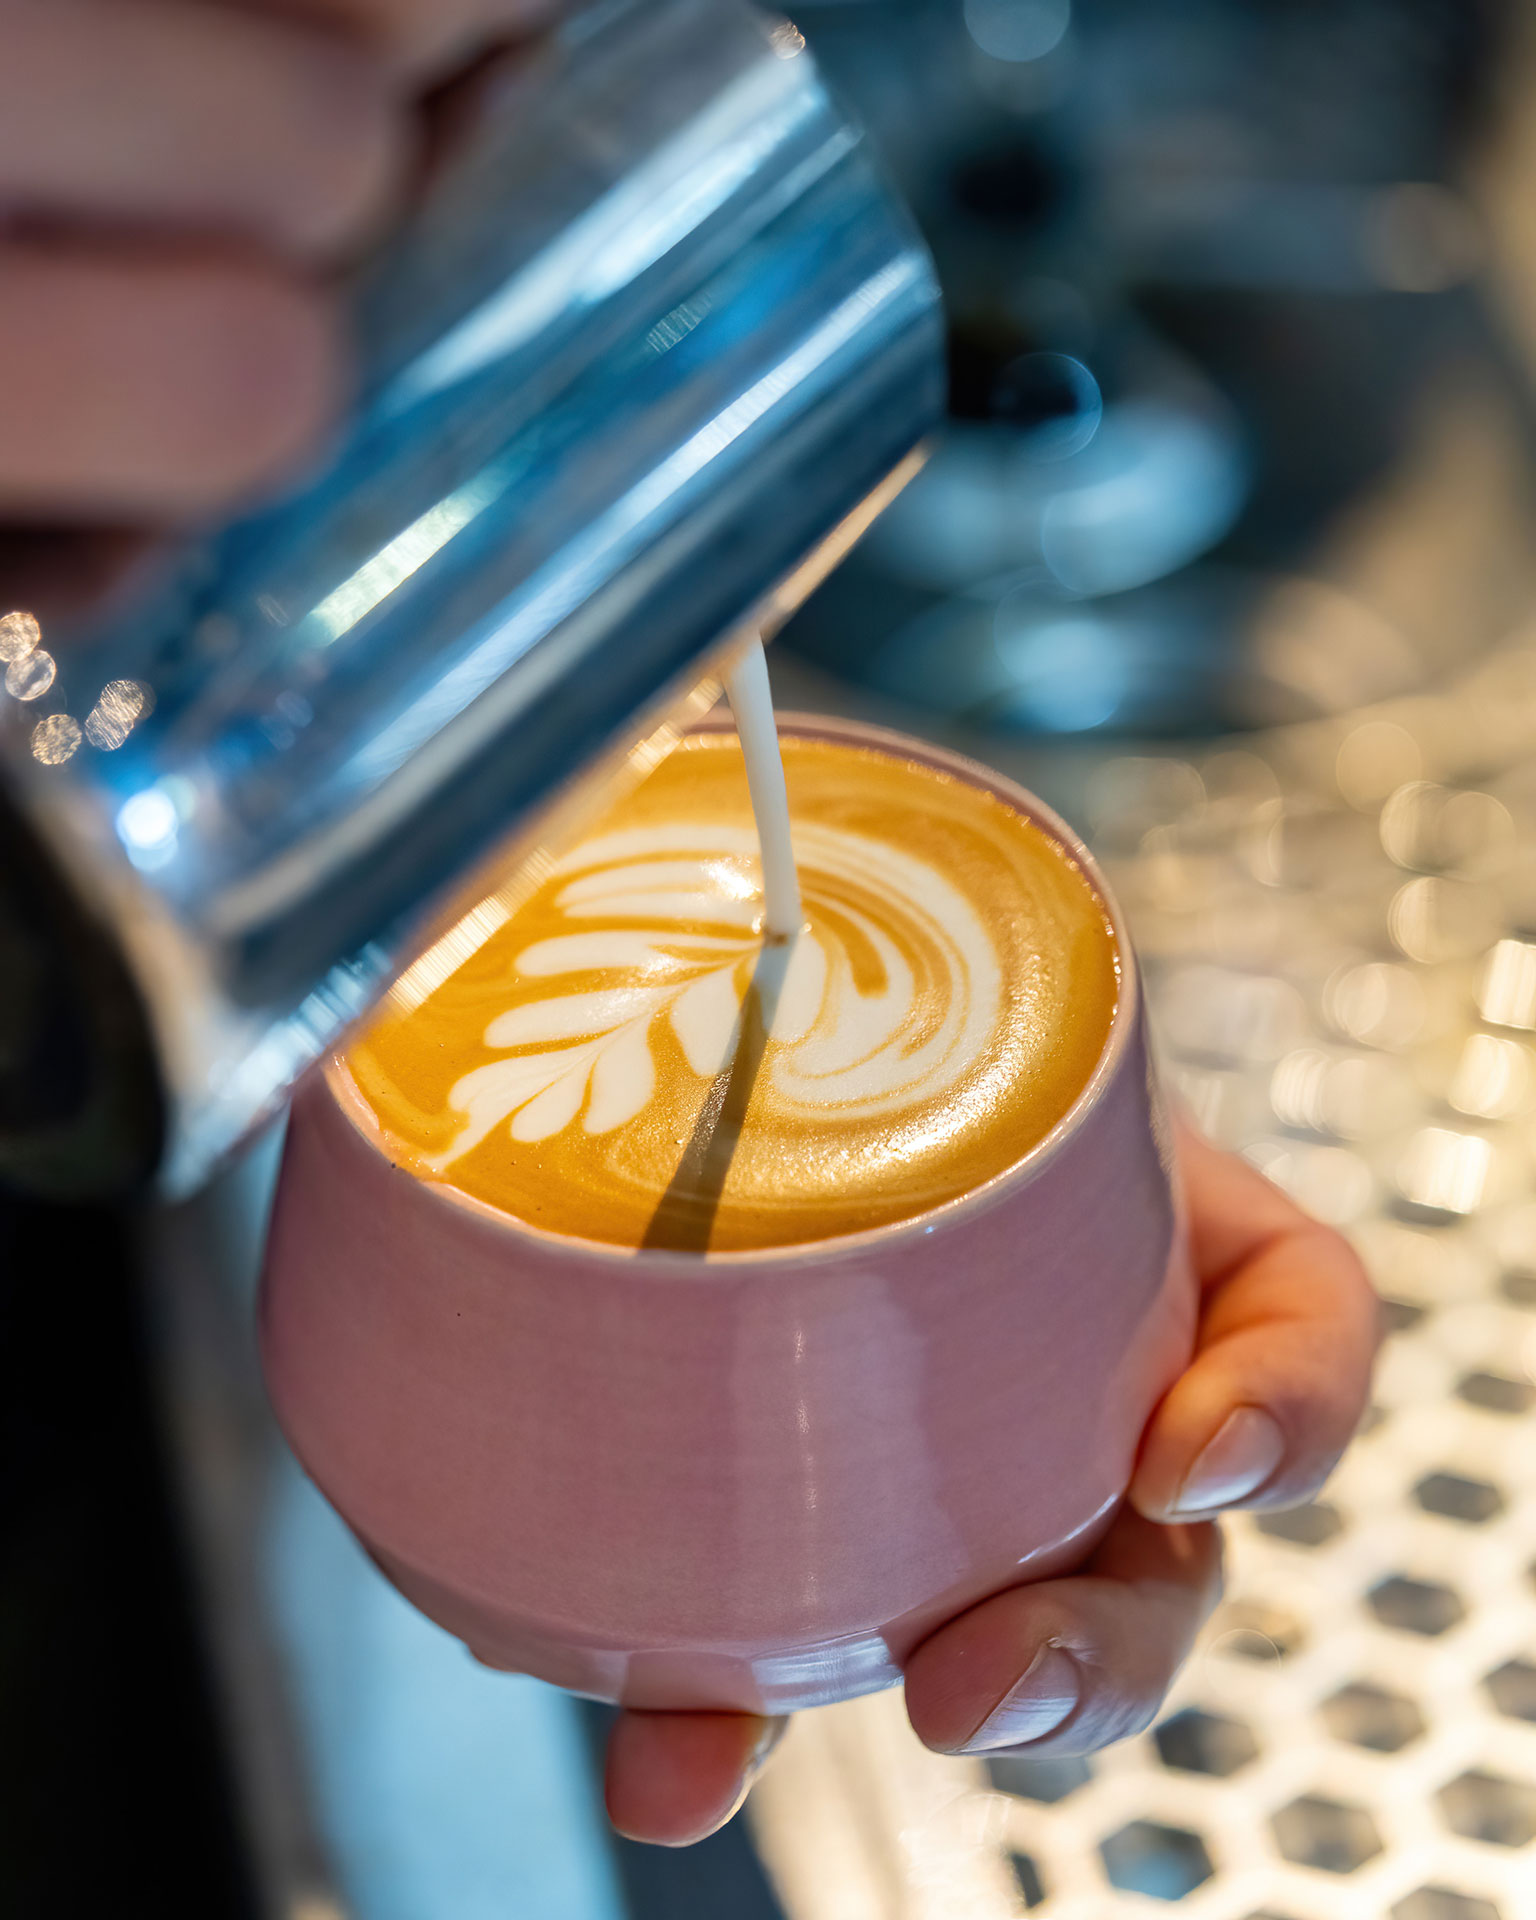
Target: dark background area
[(114, 1787)]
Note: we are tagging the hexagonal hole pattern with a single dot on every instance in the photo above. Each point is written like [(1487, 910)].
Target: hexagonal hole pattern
[(1489, 1807), (1041, 1778), (1416, 1606), (1326, 1834), (1199, 1742), (1455, 1496), (1496, 1392), (1166, 1863), (1444, 1903), (1312, 1526), (1512, 1689), (1027, 1876), (1367, 1716)]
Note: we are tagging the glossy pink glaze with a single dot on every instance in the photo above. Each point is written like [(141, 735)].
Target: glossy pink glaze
[(751, 1480)]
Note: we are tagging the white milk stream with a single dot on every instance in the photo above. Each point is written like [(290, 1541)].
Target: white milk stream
[(752, 704)]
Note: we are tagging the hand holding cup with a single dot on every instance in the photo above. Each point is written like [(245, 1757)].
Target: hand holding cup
[(1276, 1388)]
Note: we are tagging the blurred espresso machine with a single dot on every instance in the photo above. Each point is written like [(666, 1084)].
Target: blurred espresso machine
[(1217, 277)]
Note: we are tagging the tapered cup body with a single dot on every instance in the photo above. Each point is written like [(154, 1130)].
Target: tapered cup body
[(753, 1480)]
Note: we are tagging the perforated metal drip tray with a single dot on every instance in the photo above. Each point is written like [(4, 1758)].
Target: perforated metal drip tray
[(1338, 925)]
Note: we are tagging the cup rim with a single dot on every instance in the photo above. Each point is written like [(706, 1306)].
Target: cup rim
[(666, 1262)]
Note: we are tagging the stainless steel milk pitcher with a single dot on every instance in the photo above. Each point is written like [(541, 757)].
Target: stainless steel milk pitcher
[(655, 338)]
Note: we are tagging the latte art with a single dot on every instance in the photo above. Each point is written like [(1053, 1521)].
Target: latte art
[(627, 1060), (841, 1033)]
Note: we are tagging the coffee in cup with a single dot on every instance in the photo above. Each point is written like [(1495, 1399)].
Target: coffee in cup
[(696, 1320), (625, 1060)]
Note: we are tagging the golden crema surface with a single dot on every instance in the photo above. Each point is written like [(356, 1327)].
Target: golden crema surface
[(623, 1059)]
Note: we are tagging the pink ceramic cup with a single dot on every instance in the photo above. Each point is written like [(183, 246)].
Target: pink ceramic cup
[(746, 1480)]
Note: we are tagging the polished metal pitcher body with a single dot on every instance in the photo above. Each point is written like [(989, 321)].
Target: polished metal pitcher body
[(655, 340)]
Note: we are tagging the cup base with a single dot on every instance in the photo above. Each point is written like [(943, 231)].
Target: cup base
[(662, 1678), (763, 1680)]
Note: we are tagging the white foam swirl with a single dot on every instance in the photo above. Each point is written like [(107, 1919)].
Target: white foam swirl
[(880, 1031)]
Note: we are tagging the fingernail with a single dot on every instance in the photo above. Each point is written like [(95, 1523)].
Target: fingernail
[(1237, 1461), (1035, 1705)]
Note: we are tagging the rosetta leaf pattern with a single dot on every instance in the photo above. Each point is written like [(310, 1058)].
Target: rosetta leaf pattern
[(608, 1075), (663, 935)]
